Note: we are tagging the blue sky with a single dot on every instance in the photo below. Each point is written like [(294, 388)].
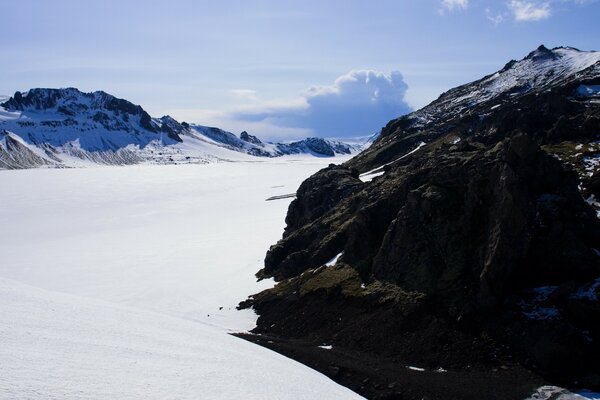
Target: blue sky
[(279, 69)]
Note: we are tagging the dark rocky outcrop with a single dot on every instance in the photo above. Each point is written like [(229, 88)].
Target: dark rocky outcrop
[(246, 137), (469, 238), (316, 146)]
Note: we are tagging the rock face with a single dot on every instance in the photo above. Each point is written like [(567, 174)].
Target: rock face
[(465, 235), (111, 113), (246, 137)]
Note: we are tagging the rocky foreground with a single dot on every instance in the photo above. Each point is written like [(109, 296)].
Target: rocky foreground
[(460, 252)]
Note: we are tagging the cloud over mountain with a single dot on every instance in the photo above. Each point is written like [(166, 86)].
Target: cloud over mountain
[(358, 103)]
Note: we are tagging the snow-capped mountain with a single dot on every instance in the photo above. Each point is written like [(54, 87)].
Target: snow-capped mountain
[(461, 110), (541, 70), (252, 145), (66, 127)]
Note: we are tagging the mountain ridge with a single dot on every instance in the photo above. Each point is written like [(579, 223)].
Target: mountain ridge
[(67, 127)]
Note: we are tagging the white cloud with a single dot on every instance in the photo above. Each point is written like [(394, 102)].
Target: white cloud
[(455, 4), (529, 10), (244, 93), (358, 103), (495, 18)]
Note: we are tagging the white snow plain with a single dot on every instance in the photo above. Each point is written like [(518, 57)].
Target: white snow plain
[(122, 282)]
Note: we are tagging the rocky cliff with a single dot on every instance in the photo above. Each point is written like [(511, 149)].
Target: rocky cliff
[(466, 235)]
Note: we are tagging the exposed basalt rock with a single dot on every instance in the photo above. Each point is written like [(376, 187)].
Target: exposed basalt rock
[(478, 222)]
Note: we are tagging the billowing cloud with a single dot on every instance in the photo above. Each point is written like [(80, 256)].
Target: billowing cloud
[(529, 10), (455, 4), (358, 103)]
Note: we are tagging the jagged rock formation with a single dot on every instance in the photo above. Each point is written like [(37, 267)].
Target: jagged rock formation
[(246, 137), (466, 235), (66, 127)]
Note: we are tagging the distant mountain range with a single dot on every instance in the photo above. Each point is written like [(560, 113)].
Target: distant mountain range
[(69, 128)]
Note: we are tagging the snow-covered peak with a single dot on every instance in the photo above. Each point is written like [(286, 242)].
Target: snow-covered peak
[(540, 70), (97, 121), (66, 126), (65, 99), (71, 102)]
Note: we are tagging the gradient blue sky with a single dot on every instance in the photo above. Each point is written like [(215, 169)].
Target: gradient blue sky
[(279, 68)]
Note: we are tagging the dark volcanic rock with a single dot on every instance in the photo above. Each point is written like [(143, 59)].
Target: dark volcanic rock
[(173, 128), (319, 146), (316, 197), (246, 137), (475, 246)]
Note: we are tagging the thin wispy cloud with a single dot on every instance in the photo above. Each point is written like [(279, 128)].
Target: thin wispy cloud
[(247, 94), (495, 18), (455, 4), (530, 10)]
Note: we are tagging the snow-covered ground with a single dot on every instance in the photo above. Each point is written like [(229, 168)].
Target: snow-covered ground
[(122, 282)]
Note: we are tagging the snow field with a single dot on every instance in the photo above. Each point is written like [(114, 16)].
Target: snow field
[(122, 282)]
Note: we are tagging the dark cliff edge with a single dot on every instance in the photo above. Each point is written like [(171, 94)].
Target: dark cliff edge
[(467, 240)]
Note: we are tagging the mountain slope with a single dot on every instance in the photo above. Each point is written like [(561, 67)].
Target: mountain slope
[(66, 127), (56, 345), (464, 238), (252, 145)]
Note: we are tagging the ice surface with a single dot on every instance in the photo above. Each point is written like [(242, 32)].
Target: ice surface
[(54, 346), (122, 282)]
